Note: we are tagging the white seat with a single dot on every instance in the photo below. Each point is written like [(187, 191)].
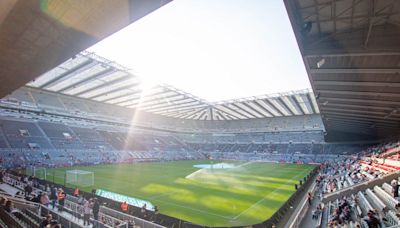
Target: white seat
[(375, 199)]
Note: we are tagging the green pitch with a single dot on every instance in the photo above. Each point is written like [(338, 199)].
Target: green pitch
[(247, 194)]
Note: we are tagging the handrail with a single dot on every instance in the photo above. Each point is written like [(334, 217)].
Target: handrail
[(107, 210), (16, 199), (302, 212), (360, 186), (76, 208)]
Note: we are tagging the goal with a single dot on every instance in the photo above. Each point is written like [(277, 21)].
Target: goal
[(38, 172), (79, 178)]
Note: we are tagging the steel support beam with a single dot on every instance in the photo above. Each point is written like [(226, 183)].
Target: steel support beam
[(359, 93), (356, 83), (355, 71)]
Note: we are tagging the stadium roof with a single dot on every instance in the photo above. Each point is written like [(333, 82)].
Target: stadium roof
[(351, 50), (36, 36), (92, 77)]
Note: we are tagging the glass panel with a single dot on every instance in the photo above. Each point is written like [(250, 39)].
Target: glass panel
[(278, 106), (67, 65), (244, 107), (259, 109), (107, 78), (289, 103), (116, 94), (304, 105), (77, 77), (134, 96), (109, 88), (239, 111), (268, 107)]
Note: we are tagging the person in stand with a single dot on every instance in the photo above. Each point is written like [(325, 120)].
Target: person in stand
[(54, 224), (395, 188), (48, 189), (61, 199), (81, 200), (96, 208), (76, 192), (372, 220), (44, 199), (131, 224), (53, 197), (9, 206), (155, 213), (28, 190), (309, 198), (124, 207), (47, 220), (143, 210), (86, 213)]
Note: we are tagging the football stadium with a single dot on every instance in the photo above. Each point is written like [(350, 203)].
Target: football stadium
[(126, 113)]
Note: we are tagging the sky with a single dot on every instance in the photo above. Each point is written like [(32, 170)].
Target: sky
[(215, 50)]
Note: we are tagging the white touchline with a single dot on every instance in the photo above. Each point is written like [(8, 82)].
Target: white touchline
[(269, 194)]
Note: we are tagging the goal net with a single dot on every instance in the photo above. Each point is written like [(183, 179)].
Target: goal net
[(38, 172), (79, 178)]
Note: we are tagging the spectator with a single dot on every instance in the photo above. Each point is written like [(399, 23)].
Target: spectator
[(143, 210), (47, 188), (46, 221), (395, 188), (309, 198), (36, 197), (54, 224), (86, 213), (131, 224), (2, 202), (372, 220), (44, 199), (61, 199), (28, 190), (124, 207), (96, 209), (53, 197), (76, 192), (335, 217), (9, 206), (81, 200)]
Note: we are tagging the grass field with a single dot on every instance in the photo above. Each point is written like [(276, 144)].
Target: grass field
[(244, 195)]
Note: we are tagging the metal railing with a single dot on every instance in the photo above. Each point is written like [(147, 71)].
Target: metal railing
[(298, 217), (126, 217), (108, 221)]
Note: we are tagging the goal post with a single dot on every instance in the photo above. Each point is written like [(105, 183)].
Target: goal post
[(79, 178), (38, 172)]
